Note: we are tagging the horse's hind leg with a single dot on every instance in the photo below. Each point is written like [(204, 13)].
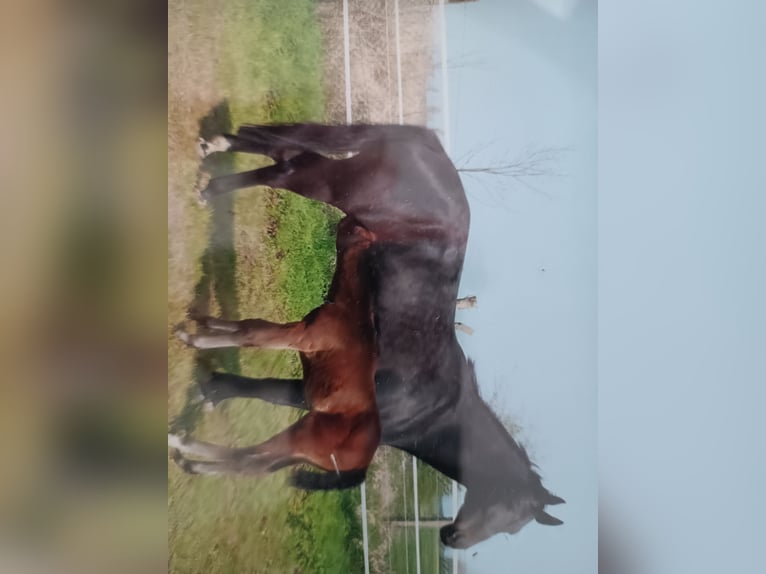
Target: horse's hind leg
[(302, 175), (232, 143), (290, 138), (280, 142), (328, 138)]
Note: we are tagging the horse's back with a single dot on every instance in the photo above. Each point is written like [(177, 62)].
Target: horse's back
[(404, 187)]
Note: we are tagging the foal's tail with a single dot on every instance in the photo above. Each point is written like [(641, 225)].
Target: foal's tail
[(308, 480)]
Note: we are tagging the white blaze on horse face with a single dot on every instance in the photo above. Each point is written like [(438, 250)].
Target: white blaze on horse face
[(334, 463)]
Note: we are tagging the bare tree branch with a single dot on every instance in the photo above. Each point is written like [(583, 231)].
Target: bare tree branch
[(533, 162)]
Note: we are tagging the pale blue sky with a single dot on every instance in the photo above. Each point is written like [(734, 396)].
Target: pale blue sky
[(682, 283), (522, 76)]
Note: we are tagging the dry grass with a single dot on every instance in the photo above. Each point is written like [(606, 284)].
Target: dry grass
[(372, 38), (191, 93)]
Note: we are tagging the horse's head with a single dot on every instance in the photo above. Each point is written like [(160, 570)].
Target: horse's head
[(503, 490), (491, 511)]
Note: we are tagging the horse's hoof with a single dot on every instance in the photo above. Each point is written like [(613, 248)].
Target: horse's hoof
[(201, 187), (182, 462), (203, 148), (218, 143), (204, 396), (180, 333)]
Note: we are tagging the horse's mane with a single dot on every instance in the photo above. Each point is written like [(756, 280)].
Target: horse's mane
[(473, 386)]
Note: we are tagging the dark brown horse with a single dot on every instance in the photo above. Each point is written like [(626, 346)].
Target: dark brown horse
[(400, 184), (337, 349)]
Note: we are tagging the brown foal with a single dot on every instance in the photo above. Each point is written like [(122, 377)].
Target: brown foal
[(337, 347)]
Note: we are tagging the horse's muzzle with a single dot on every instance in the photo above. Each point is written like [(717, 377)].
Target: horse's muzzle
[(450, 536)]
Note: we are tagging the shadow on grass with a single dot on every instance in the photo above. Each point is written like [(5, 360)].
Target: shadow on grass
[(219, 267)]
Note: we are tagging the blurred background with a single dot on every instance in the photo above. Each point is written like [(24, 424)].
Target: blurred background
[(682, 273), (82, 174)]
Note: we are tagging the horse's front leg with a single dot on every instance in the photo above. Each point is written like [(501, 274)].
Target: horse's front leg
[(302, 174)]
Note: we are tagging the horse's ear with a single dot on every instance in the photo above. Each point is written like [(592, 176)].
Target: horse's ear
[(544, 518), (553, 499)]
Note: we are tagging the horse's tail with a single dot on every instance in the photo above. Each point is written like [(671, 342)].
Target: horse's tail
[(308, 480), (329, 139)]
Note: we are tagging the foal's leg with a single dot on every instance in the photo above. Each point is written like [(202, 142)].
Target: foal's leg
[(254, 333), (327, 441), (250, 465), (283, 449), (221, 386), (258, 459)]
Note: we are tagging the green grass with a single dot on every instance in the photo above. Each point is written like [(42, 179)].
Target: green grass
[(326, 532), (271, 61), (305, 248), (403, 551)]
